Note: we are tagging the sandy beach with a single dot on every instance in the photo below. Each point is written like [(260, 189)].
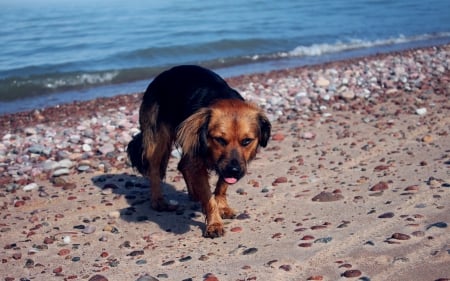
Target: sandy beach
[(354, 184)]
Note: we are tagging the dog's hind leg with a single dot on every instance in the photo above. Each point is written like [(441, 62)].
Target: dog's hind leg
[(157, 141)]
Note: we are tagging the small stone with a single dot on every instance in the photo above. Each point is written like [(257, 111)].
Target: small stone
[(98, 277), (285, 267), (281, 180), (168, 263), (30, 186), (315, 278), (438, 225), (67, 239), (63, 252), (61, 172), (322, 82), (249, 251), (210, 277), (136, 253), (185, 259), (305, 245), (418, 233), (89, 229), (326, 196), (307, 237), (29, 263), (236, 229), (387, 215), (17, 256), (278, 137), (427, 139), (48, 240), (412, 188), (323, 240), (352, 273), (421, 111), (57, 270), (147, 277), (114, 215), (19, 203), (400, 236), (308, 135), (379, 186)]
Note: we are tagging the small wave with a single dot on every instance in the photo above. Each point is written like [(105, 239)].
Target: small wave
[(339, 46), (16, 88)]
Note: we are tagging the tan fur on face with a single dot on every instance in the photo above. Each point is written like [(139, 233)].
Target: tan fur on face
[(233, 122)]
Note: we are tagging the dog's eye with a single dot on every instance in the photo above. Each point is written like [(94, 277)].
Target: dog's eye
[(221, 141), (246, 141)]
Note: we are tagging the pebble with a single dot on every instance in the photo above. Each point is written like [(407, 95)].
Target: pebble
[(236, 229), (401, 236), (98, 277), (387, 215), (147, 277), (315, 278), (323, 240), (326, 196), (421, 111), (381, 186), (278, 137), (89, 229), (30, 186), (438, 225), (352, 273), (249, 251), (427, 139)]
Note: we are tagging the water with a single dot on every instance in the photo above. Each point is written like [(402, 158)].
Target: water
[(56, 51)]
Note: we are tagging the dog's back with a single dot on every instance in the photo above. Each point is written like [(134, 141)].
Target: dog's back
[(182, 90)]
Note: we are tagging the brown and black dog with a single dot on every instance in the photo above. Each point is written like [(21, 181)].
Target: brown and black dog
[(216, 129)]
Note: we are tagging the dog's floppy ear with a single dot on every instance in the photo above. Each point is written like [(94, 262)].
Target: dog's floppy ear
[(192, 134), (264, 128)]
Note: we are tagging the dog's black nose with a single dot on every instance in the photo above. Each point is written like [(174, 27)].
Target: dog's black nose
[(234, 169)]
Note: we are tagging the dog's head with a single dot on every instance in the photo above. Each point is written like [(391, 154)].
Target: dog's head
[(226, 135)]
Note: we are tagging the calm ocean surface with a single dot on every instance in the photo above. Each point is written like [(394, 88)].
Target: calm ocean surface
[(57, 51)]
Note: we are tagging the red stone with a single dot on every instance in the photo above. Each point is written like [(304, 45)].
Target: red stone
[(278, 137), (379, 186)]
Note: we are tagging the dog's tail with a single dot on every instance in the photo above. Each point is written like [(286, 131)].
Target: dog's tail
[(135, 152)]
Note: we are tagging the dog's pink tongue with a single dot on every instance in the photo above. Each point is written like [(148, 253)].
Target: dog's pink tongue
[(230, 180)]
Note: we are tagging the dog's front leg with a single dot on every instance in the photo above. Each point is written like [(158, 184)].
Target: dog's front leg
[(220, 194), (197, 181)]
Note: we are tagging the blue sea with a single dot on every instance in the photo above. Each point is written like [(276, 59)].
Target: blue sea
[(58, 51)]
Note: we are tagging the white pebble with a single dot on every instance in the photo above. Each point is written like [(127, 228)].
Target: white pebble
[(114, 215), (86, 147), (421, 111), (67, 239), (30, 186)]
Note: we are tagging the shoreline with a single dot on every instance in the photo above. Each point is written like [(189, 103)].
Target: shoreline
[(354, 184), (61, 111)]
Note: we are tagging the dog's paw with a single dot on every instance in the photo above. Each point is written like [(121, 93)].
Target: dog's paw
[(227, 213), (161, 205), (214, 230)]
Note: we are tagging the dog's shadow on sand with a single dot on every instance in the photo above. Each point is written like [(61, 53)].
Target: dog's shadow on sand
[(136, 190)]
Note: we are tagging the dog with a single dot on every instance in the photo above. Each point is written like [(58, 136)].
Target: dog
[(216, 129)]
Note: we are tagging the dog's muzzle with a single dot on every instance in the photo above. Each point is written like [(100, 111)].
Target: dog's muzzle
[(232, 172)]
